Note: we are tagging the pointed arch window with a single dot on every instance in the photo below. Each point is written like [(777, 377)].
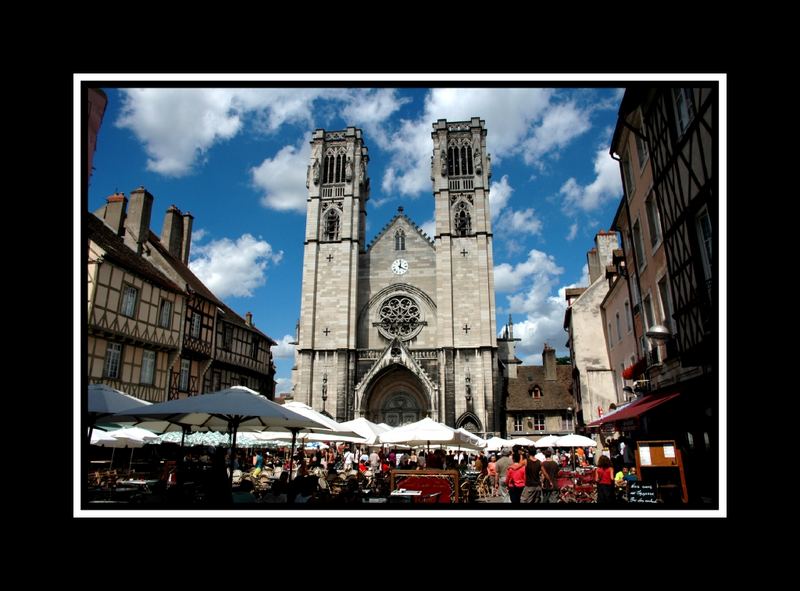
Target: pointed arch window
[(459, 160), (463, 220), (400, 240), (330, 230)]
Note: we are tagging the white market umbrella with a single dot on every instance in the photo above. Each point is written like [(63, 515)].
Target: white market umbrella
[(497, 443), (366, 429), (132, 437), (330, 431), (547, 441), (125, 439), (575, 440), (425, 432), (104, 401), (474, 439), (231, 410), (523, 441)]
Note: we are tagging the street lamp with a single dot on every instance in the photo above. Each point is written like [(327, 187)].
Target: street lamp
[(571, 412), (656, 335)]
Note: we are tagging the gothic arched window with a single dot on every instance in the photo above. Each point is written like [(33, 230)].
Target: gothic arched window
[(463, 221), (330, 229), (459, 159), (400, 240)]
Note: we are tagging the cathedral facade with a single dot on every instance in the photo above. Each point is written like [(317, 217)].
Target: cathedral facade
[(404, 327)]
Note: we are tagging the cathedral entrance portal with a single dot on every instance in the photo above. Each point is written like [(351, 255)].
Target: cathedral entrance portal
[(396, 398)]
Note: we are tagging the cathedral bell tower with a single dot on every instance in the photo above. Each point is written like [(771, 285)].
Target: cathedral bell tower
[(338, 190), (460, 171)]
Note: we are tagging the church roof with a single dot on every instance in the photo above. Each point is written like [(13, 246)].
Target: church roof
[(391, 222), (556, 393)]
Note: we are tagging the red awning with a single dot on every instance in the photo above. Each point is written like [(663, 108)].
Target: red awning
[(635, 409)]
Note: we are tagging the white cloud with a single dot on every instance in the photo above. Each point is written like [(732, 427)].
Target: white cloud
[(540, 302), (429, 227), (233, 268), (524, 222), (539, 265), (499, 194), (284, 349), (559, 126), (508, 112), (283, 178), (573, 232), (368, 109), (177, 126), (605, 187), (198, 235)]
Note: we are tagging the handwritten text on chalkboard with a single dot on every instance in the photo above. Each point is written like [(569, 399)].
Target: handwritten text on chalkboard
[(642, 492)]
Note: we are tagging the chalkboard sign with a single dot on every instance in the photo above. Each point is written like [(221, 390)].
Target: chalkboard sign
[(642, 492)]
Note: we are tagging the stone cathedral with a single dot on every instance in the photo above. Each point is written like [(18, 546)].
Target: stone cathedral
[(404, 327)]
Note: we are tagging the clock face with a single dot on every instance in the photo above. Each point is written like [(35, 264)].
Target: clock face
[(400, 266)]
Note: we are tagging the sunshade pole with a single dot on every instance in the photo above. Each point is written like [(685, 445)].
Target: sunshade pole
[(291, 456), (111, 465), (184, 430), (235, 425)]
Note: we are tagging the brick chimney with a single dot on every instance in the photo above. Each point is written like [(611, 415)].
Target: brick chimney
[(549, 361), (186, 244), (137, 222), (114, 212), (172, 232), (248, 319)]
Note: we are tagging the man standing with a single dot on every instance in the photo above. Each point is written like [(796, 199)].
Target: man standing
[(502, 467), (549, 478), (532, 493)]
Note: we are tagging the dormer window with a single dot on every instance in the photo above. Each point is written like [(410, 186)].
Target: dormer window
[(535, 391)]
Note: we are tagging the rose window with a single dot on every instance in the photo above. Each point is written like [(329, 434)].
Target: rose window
[(400, 317)]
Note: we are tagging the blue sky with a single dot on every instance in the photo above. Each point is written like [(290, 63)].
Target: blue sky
[(236, 159)]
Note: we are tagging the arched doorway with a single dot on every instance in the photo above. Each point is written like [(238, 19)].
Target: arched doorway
[(396, 397), (469, 422)]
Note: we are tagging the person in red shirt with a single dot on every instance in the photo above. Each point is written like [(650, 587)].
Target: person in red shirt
[(604, 476), (515, 477)]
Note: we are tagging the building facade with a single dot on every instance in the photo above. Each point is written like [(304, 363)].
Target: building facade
[(96, 108), (134, 316), (593, 382), (155, 330), (618, 323), (540, 400), (672, 263), (404, 327)]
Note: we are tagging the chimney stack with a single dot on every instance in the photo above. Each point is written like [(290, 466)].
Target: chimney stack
[(248, 318), (594, 265), (606, 243), (114, 213), (549, 361), (188, 220), (172, 232), (137, 222)]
